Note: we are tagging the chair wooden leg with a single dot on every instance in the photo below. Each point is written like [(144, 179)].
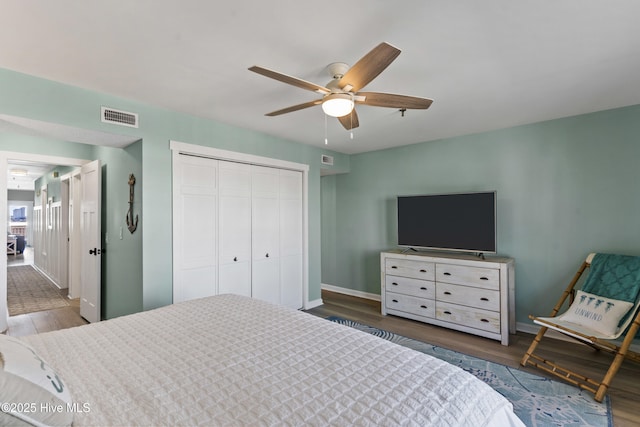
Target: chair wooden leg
[(618, 359), (533, 345), (567, 292)]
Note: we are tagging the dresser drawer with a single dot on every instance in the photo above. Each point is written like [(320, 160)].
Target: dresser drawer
[(474, 318), (486, 299), (410, 268), (409, 304), (409, 286), (464, 275)]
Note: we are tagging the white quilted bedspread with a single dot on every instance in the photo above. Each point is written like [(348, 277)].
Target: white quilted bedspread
[(230, 360)]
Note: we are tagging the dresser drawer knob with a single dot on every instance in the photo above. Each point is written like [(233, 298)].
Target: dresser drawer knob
[(394, 300), (394, 284), (484, 278), (422, 288), (446, 273), (447, 312), (484, 320), (394, 266), (423, 270), (423, 306), (484, 299), (447, 293)]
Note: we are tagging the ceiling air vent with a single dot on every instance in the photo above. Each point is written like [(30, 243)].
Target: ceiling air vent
[(117, 117), (327, 160)]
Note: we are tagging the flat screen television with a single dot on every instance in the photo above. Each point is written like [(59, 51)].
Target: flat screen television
[(456, 222)]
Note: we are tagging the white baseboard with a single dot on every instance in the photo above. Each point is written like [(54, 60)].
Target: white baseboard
[(350, 292), (313, 304)]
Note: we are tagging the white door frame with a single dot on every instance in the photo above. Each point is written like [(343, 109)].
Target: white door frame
[(178, 148), (5, 156)]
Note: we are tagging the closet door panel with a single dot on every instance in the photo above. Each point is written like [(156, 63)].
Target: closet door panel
[(235, 278), (235, 228), (264, 228), (265, 280), (290, 238), (200, 282), (291, 281), (290, 224), (265, 213), (195, 232)]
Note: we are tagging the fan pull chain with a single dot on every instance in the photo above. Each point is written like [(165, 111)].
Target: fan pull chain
[(351, 116), (326, 140)]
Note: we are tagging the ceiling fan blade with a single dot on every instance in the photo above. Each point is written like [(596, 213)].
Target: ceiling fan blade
[(350, 121), (295, 108), (368, 67), (391, 100), (303, 84)]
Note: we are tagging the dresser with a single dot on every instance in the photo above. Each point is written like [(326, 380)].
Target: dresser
[(457, 291)]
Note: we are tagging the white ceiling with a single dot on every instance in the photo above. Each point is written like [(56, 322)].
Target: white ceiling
[(487, 64)]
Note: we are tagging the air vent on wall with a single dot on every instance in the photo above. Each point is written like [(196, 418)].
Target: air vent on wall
[(117, 117), (327, 160)]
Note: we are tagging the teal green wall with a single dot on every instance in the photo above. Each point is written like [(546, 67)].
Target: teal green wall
[(40, 99), (122, 261), (52, 184), (565, 188)]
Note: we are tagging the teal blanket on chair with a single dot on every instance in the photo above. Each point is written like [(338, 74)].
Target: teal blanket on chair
[(614, 276)]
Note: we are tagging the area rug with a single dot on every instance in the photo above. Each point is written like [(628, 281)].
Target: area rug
[(536, 400), (29, 291)]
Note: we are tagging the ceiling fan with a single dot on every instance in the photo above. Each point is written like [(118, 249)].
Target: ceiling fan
[(341, 94)]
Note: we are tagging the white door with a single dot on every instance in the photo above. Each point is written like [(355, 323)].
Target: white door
[(235, 228), (91, 254), (195, 228)]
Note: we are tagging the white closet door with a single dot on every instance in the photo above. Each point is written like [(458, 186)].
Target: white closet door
[(265, 278), (195, 239), (291, 238), (235, 228)]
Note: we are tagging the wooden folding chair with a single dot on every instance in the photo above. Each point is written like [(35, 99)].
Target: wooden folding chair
[(613, 281)]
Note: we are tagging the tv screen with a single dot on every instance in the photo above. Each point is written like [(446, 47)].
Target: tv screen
[(457, 222)]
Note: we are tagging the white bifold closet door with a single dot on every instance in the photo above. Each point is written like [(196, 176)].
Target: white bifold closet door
[(244, 226), (235, 228)]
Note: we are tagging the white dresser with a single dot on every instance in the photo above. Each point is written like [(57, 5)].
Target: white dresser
[(457, 291)]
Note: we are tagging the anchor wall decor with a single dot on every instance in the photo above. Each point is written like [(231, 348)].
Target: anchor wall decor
[(131, 225)]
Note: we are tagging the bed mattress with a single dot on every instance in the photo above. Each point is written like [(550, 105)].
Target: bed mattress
[(232, 360)]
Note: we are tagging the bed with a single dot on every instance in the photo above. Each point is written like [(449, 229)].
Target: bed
[(231, 360)]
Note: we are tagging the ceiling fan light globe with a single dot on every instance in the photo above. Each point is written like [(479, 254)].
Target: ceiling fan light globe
[(337, 104)]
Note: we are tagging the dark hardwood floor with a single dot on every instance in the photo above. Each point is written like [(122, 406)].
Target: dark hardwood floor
[(624, 392)]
